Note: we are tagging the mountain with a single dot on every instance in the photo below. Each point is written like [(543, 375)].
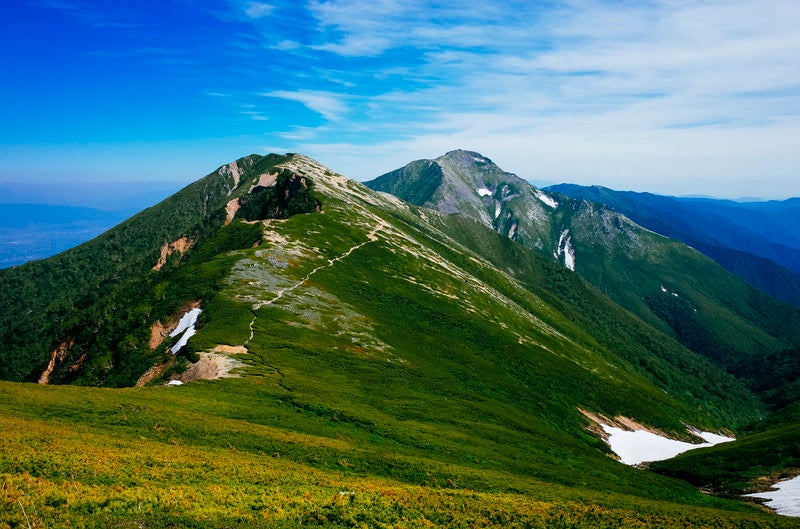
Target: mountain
[(758, 241), (384, 365), (36, 231), (667, 284)]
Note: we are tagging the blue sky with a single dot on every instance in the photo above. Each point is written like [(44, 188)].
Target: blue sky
[(672, 96)]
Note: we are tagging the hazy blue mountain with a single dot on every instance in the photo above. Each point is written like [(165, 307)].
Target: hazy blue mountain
[(37, 231), (758, 241)]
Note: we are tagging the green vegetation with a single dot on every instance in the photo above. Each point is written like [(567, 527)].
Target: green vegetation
[(751, 463), (678, 290), (595, 321), (205, 456), (97, 301), (776, 377), (403, 369), (670, 286), (291, 194), (417, 183)]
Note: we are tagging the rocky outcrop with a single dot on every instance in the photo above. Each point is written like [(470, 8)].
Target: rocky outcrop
[(181, 246), (57, 356)]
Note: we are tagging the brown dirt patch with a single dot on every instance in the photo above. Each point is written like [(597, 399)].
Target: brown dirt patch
[(180, 245), (58, 355), (231, 208), (210, 367)]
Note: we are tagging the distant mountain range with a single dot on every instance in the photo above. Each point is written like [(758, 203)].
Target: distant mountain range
[(669, 285), (758, 241), (442, 346)]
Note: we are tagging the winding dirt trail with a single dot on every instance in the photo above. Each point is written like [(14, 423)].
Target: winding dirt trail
[(372, 236)]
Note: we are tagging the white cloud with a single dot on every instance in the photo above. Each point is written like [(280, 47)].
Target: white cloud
[(660, 94), (328, 104), (258, 9)]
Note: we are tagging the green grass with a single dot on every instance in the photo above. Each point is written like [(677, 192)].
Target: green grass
[(236, 453), (741, 466), (433, 369)]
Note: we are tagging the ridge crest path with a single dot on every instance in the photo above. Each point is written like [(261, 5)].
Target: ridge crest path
[(371, 237)]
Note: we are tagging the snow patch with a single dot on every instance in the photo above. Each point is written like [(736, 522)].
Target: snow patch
[(186, 325), (785, 499), (541, 195), (482, 191), (498, 207), (186, 321), (638, 446), (174, 383), (566, 249)]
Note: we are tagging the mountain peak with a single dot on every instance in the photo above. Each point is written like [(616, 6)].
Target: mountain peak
[(468, 183), (465, 157)]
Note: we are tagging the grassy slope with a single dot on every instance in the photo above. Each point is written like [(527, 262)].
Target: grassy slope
[(749, 464), (600, 323), (384, 360), (706, 308), (236, 453)]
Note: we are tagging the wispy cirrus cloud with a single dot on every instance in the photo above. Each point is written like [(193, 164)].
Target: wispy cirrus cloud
[(327, 104), (559, 89)]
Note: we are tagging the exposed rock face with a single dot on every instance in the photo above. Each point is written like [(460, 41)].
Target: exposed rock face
[(233, 171), (287, 193), (149, 375), (467, 183), (157, 334), (159, 331), (57, 356), (181, 246), (265, 180), (231, 208), (210, 366)]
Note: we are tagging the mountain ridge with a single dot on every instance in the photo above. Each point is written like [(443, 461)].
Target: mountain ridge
[(386, 348), (664, 282), (757, 241)]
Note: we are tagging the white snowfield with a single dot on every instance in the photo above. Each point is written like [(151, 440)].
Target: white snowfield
[(638, 446), (185, 326), (566, 249), (550, 201), (785, 499), (482, 191)]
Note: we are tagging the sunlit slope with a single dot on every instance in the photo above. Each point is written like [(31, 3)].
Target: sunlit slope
[(237, 453), (372, 285), (378, 285), (749, 464), (756, 241), (664, 282), (677, 289), (423, 362)]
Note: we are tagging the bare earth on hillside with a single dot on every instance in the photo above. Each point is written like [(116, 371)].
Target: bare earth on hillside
[(213, 365)]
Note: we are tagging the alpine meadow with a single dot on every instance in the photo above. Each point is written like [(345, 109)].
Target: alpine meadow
[(278, 345)]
